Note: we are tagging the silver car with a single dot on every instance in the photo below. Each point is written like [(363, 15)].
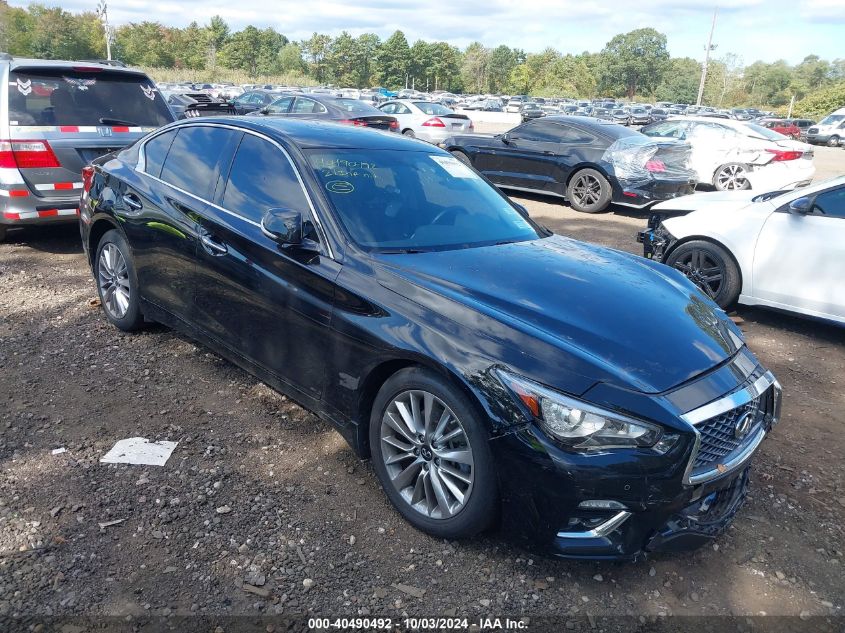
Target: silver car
[(427, 120), (56, 117)]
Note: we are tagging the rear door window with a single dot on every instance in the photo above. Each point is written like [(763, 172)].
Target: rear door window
[(155, 152), (58, 96), (194, 161), (262, 178)]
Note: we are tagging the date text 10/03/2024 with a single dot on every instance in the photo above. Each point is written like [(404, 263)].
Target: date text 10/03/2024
[(418, 624)]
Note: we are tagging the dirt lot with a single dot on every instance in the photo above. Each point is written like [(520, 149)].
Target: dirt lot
[(262, 509)]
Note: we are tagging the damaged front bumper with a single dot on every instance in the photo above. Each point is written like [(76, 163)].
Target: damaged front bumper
[(656, 241)]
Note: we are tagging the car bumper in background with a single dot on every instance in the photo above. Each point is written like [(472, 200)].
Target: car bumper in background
[(641, 195), (33, 210), (437, 135), (782, 175)]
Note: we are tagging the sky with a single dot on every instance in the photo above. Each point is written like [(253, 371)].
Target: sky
[(754, 30)]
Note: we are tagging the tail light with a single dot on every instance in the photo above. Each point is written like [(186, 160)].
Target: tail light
[(355, 122), (781, 155), (87, 178), (434, 122), (27, 154), (471, 127), (394, 124), (655, 166)]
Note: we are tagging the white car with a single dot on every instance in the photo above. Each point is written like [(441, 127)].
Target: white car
[(740, 155), (426, 120), (784, 250)]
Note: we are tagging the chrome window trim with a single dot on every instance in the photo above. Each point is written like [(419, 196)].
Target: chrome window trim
[(142, 164), (601, 530), (730, 401)]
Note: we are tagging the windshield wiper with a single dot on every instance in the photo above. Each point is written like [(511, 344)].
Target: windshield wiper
[(400, 251), (109, 121)]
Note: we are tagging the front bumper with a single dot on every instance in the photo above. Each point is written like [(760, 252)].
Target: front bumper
[(656, 241), (620, 504)]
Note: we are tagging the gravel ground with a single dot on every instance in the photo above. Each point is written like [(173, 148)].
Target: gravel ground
[(262, 508)]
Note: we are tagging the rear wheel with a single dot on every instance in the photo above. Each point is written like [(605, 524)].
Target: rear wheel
[(730, 177), (117, 283), (589, 191), (409, 133), (430, 452), (833, 141), (709, 267)]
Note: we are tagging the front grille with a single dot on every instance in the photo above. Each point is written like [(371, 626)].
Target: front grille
[(813, 130), (718, 434)]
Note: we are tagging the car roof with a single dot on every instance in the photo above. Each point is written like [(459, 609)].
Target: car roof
[(604, 128), (311, 134), (25, 62)]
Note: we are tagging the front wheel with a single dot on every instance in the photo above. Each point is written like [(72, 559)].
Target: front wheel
[(589, 191), (833, 141), (430, 452), (730, 177), (117, 283), (710, 267)]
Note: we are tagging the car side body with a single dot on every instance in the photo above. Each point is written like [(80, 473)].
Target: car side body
[(788, 246), (329, 321)]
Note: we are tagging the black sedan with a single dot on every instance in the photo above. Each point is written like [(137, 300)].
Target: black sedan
[(253, 100), (489, 368), (587, 162), (531, 111), (325, 108)]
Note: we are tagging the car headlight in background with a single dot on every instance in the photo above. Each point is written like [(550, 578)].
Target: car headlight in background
[(581, 425)]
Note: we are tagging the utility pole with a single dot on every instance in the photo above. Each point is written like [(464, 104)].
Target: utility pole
[(791, 105), (103, 14), (707, 50)]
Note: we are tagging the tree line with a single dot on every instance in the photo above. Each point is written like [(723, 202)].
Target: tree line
[(636, 65)]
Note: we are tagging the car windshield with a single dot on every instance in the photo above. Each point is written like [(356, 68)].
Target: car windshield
[(64, 96), (832, 119), (432, 109), (393, 200), (354, 105)]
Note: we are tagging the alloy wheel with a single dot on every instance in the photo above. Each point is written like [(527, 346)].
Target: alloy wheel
[(704, 270), (586, 190), (731, 177), (113, 278), (427, 454)]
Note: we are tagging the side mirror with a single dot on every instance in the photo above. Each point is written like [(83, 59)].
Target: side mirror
[(800, 206), (283, 226), (506, 138)]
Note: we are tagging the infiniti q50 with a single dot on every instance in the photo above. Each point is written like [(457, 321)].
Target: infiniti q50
[(495, 373)]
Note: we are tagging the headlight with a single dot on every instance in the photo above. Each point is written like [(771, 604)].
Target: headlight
[(578, 424)]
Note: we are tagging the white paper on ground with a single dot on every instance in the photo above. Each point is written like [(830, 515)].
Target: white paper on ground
[(59, 451), (139, 450)]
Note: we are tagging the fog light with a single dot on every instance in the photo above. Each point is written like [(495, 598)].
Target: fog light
[(602, 504)]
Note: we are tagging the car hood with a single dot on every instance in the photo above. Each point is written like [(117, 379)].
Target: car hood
[(707, 200), (621, 319)]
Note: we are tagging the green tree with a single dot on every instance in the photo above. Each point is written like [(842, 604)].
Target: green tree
[(680, 83), (145, 44), (421, 69), (502, 62), (216, 34), (290, 59), (342, 60), (393, 61), (254, 51), (475, 68), (635, 61), (368, 45), (520, 80), (192, 49), (316, 48)]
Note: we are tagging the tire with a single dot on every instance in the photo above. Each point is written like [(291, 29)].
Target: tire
[(589, 191), (409, 133), (419, 465), (710, 267), (833, 141), (462, 157), (731, 177), (117, 282)]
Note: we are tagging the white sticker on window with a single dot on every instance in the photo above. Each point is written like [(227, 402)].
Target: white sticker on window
[(24, 86), (454, 167)]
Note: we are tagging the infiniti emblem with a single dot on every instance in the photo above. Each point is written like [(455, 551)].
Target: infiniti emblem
[(743, 425)]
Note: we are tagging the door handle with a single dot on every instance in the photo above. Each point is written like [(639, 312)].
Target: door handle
[(132, 201), (213, 246)]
